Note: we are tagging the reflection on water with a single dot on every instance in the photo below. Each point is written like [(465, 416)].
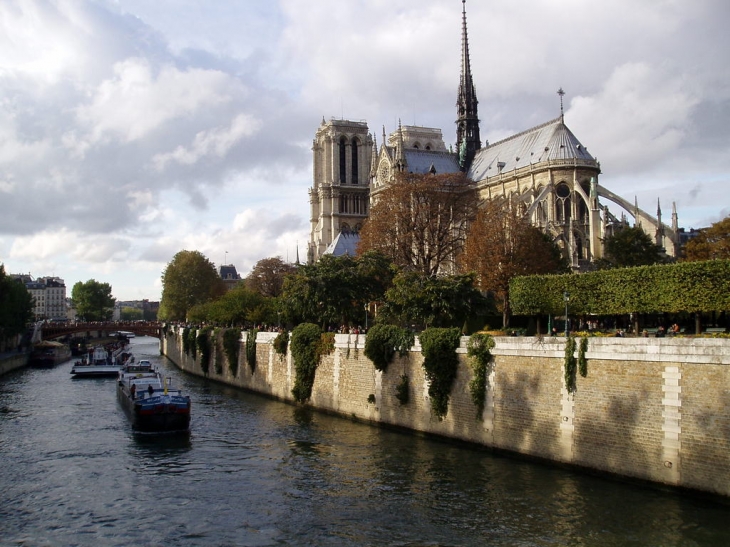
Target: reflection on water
[(258, 472)]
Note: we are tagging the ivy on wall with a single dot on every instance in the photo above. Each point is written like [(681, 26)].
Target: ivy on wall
[(231, 346), (202, 342), (305, 344), (186, 340), (384, 340), (569, 365), (281, 343), (582, 361), (251, 349), (441, 364), (402, 390), (479, 349), (218, 341)]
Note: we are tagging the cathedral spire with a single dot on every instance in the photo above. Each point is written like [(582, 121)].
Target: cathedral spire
[(467, 122)]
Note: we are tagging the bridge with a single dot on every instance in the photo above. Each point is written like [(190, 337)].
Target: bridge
[(100, 329)]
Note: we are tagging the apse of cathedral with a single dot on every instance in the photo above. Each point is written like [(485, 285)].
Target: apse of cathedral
[(545, 172)]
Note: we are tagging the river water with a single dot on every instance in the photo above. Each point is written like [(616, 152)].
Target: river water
[(259, 472)]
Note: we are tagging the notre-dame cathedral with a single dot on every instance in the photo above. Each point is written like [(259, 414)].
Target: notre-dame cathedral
[(545, 171)]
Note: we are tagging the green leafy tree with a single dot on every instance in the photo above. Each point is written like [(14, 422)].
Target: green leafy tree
[(424, 301), (189, 279), (93, 300), (710, 244), (630, 246), (131, 314), (335, 290), (16, 306)]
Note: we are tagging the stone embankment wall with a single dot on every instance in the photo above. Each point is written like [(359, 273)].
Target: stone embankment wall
[(655, 409), (12, 362)]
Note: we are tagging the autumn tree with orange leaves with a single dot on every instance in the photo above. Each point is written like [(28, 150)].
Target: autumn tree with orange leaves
[(420, 221), (500, 245)]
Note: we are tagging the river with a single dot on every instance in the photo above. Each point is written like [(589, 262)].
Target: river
[(258, 472)]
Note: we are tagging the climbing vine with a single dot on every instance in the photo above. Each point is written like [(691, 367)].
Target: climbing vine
[(231, 346), (569, 365), (186, 340), (202, 342), (192, 339), (251, 348), (478, 349), (305, 344), (383, 341), (441, 364), (401, 390), (281, 343), (582, 361), (217, 337)]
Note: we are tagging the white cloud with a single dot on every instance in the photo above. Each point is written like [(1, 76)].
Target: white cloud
[(215, 142), (139, 99)]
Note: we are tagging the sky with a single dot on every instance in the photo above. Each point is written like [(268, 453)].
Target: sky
[(131, 130)]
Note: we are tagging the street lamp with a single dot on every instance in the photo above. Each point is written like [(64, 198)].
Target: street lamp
[(566, 297)]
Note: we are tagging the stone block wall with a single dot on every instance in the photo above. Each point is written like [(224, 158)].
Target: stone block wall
[(651, 409)]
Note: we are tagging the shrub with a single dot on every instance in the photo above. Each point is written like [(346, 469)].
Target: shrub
[(281, 343)]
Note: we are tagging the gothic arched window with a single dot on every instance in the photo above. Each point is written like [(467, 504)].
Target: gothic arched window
[(354, 162), (343, 160)]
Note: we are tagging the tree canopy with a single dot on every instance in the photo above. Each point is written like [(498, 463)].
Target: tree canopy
[(93, 300), (710, 244), (189, 279), (421, 301), (16, 306), (335, 290), (238, 306), (501, 245), (267, 276), (629, 247), (420, 221)]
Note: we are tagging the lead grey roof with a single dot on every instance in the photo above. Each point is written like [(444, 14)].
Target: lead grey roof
[(344, 244), (549, 141), (420, 161)]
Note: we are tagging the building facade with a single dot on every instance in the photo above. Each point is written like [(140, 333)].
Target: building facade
[(49, 296), (545, 172)]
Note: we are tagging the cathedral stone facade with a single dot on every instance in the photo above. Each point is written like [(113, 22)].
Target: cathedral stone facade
[(544, 171)]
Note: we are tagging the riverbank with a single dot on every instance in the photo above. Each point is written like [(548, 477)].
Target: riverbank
[(651, 409)]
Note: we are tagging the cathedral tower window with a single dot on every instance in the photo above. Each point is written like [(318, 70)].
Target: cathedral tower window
[(343, 160), (354, 161)]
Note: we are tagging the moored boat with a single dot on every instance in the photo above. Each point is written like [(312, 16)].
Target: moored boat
[(49, 353), (151, 404), (101, 361)]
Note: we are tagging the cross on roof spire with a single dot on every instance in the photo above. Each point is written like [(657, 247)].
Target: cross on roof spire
[(561, 93)]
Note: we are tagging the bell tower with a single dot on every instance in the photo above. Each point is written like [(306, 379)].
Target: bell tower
[(340, 195)]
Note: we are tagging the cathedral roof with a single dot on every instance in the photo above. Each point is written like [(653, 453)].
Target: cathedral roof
[(551, 141), (344, 244), (421, 161)]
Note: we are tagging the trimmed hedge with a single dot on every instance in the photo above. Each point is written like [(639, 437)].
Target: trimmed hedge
[(668, 288)]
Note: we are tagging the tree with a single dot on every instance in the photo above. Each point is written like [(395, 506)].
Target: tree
[(267, 276), (335, 290), (501, 245), (235, 307), (189, 279), (93, 300), (131, 314), (710, 244), (420, 221), (425, 301), (16, 306), (629, 247)]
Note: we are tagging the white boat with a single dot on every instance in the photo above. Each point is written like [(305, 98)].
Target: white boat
[(101, 361)]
